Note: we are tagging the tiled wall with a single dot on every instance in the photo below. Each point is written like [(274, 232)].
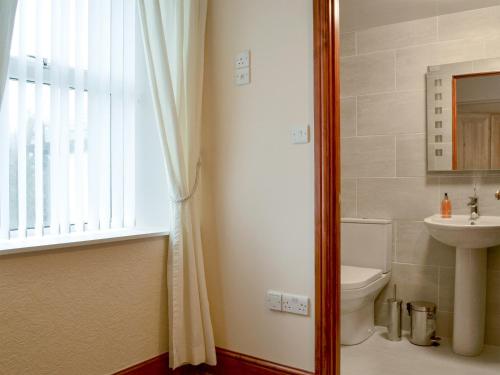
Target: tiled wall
[(383, 150)]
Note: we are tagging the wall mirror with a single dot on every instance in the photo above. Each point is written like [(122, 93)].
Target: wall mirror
[(463, 116)]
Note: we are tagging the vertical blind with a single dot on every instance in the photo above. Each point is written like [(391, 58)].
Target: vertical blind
[(67, 119)]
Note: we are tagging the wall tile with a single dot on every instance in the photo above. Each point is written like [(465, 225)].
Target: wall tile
[(367, 74), (494, 258), (368, 156), (348, 197), (347, 44), (348, 117), (446, 289), (415, 246), (398, 198), (411, 155), (492, 293), (412, 62), (491, 50), (444, 324), (492, 329), (415, 282), (391, 113), (381, 313), (470, 24), (398, 35)]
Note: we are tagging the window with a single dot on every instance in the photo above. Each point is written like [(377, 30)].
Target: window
[(67, 123)]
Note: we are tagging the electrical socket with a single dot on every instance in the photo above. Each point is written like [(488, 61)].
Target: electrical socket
[(295, 304)]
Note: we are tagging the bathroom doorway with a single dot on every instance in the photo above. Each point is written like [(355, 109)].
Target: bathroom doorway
[(406, 90)]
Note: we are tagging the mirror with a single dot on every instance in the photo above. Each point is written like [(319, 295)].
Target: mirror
[(463, 116)]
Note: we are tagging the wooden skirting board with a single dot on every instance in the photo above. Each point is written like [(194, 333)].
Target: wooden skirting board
[(228, 363)]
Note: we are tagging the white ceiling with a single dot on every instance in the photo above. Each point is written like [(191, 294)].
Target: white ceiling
[(362, 14)]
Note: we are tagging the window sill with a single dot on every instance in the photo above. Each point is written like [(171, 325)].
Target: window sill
[(16, 246)]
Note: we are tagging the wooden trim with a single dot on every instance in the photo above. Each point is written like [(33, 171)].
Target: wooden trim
[(454, 139), (228, 363), (327, 185), (492, 73), (156, 365)]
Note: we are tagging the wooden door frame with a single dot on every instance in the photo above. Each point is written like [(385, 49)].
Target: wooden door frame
[(327, 186)]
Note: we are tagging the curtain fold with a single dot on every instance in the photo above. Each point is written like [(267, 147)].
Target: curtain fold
[(174, 33), (7, 17)]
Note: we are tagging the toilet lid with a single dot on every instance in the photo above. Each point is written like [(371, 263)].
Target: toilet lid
[(358, 277)]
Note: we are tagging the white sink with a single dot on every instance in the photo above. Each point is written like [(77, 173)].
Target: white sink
[(459, 232), (471, 241)]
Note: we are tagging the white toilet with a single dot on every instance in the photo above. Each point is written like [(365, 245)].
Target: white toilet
[(366, 255)]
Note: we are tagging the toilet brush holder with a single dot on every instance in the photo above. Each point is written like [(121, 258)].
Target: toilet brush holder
[(395, 317)]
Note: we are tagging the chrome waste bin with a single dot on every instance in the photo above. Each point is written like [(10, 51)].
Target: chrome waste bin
[(423, 323)]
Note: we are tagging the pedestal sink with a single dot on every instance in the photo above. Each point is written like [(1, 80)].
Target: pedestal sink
[(471, 240)]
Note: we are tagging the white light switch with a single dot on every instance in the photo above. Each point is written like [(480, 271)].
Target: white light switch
[(300, 135), (242, 76), (273, 300)]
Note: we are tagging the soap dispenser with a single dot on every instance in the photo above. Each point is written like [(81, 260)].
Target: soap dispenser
[(446, 207)]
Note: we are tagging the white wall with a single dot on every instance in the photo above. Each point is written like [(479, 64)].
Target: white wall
[(258, 223), (384, 174)]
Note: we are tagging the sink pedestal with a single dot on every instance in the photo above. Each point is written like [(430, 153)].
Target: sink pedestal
[(470, 301)]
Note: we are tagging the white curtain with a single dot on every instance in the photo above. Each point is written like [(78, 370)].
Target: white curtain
[(7, 17), (174, 33)]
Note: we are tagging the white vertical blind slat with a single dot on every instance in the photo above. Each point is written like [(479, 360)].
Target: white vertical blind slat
[(79, 114), (39, 122), (117, 115), (94, 99), (21, 125), (104, 116), (4, 165), (55, 102), (129, 113), (64, 124)]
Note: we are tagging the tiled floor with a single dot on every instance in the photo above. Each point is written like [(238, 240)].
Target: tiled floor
[(379, 356)]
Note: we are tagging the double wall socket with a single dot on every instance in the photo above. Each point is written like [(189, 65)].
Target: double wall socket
[(242, 60), (286, 302), (295, 304)]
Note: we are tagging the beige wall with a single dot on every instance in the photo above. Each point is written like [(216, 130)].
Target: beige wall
[(87, 310), (384, 152), (259, 220)]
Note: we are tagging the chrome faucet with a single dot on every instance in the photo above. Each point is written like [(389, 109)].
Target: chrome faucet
[(474, 205)]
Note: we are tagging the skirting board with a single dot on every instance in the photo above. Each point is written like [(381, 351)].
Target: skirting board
[(228, 363)]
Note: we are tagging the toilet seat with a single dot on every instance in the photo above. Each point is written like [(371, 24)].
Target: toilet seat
[(358, 277)]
